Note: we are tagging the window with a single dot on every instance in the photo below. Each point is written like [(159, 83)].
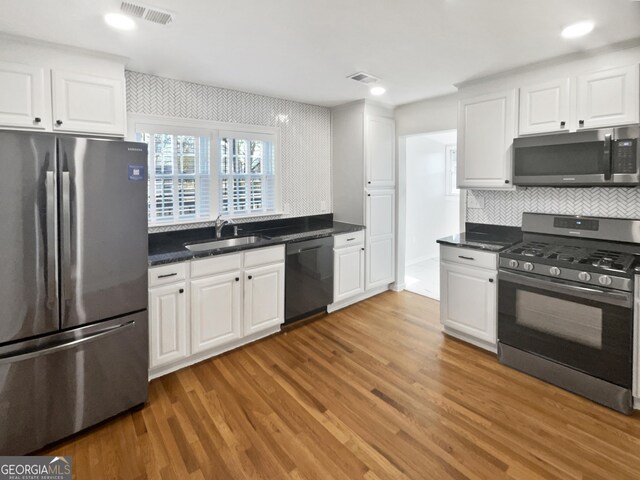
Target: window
[(451, 166), (246, 175), (196, 173)]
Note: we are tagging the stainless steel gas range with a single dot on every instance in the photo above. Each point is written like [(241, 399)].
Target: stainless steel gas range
[(565, 304)]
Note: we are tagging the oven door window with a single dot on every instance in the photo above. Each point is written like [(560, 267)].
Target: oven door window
[(592, 336), (561, 318)]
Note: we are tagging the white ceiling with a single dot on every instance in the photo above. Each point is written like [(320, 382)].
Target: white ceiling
[(303, 49)]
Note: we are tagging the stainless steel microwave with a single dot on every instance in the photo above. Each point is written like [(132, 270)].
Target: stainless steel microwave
[(606, 157)]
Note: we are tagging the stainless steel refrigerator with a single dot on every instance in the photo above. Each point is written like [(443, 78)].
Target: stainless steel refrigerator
[(73, 285)]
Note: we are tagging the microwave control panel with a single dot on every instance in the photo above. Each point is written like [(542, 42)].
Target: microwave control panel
[(625, 157)]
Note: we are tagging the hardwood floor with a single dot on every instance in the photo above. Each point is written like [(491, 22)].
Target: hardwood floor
[(374, 391)]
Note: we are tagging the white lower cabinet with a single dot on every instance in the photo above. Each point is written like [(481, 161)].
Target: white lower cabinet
[(468, 296), (167, 324), (348, 266), (216, 305), (380, 243), (233, 299), (263, 298)]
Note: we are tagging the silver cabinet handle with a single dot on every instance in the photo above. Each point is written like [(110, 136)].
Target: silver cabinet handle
[(351, 239), (17, 357), (465, 258)]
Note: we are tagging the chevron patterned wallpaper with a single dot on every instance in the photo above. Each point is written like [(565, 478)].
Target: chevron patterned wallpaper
[(505, 208), (305, 132)]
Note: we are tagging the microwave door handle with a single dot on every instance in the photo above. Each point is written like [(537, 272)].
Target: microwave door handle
[(607, 157)]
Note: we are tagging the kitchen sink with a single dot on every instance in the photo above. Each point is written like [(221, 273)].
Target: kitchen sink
[(225, 243)]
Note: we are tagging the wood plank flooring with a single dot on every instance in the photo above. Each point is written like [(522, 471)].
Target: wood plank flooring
[(374, 391)]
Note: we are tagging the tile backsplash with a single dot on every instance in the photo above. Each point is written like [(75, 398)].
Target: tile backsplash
[(305, 139), (506, 208)]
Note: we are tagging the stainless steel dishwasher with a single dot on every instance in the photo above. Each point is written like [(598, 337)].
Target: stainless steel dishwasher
[(308, 278)]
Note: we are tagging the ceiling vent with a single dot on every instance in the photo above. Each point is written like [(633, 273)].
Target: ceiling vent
[(150, 14), (363, 78)]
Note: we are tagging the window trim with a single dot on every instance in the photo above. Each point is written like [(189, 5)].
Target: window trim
[(450, 184), (136, 122)]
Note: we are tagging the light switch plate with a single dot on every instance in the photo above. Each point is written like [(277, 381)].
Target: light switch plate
[(323, 206), (286, 208)]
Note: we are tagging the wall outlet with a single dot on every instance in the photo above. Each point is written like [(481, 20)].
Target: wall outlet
[(286, 208), (475, 202), (323, 206)]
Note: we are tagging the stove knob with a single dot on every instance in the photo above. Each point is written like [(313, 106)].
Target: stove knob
[(584, 276), (528, 266), (514, 263), (555, 271), (605, 280)]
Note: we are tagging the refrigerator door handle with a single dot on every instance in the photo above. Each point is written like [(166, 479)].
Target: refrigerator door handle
[(52, 241), (33, 353), (66, 236)]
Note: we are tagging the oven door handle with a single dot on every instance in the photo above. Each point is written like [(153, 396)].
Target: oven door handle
[(568, 288)]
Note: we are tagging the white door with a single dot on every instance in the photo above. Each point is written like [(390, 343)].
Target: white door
[(486, 127), (263, 298), (379, 253), (379, 152), (85, 103), (545, 107), (468, 299), (22, 98), (608, 98), (216, 304), (167, 324), (348, 265)]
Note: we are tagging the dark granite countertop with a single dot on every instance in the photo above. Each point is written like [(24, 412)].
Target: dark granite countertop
[(169, 247), (483, 236)]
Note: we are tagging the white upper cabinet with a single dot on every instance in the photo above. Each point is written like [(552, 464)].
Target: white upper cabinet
[(486, 127), (545, 107), (608, 98), (87, 103), (379, 151), (22, 97)]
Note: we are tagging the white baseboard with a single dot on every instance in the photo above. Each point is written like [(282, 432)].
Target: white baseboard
[(421, 259), (200, 356), (469, 339), (358, 298), (398, 286)]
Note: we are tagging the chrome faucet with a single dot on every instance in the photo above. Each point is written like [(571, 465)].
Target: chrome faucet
[(219, 223)]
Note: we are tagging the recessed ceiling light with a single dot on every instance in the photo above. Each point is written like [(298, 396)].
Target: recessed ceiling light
[(119, 21), (577, 29), (377, 90)]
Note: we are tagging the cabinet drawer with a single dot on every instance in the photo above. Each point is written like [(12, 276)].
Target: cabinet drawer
[(263, 256), (166, 274), (348, 239), (469, 256), (216, 265)]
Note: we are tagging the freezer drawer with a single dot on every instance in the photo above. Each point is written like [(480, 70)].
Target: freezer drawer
[(57, 385)]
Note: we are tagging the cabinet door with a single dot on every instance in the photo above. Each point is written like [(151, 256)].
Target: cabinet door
[(167, 324), (348, 265), (608, 98), (545, 107), (89, 104), (468, 300), (263, 297), (216, 304), (22, 103), (486, 127), (379, 253), (379, 152)]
